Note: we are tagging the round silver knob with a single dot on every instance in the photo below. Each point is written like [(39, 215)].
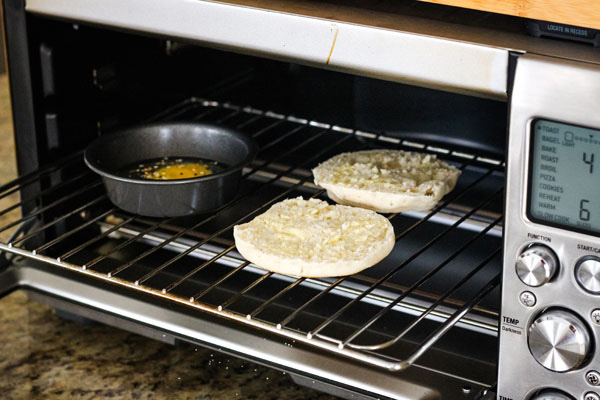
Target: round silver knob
[(536, 265), (587, 274), (552, 395), (559, 340)]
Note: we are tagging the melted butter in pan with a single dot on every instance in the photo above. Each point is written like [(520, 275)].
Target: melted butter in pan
[(173, 168), (179, 171)]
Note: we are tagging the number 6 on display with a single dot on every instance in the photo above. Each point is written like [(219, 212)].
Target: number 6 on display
[(584, 214)]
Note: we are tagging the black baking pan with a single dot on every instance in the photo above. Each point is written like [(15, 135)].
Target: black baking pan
[(109, 154)]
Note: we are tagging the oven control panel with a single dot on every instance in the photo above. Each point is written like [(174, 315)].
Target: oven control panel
[(550, 319)]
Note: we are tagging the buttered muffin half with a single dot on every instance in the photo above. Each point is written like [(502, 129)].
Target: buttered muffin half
[(387, 181), (310, 238)]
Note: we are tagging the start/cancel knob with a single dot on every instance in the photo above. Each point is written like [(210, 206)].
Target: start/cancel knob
[(587, 274), (559, 340), (536, 265)]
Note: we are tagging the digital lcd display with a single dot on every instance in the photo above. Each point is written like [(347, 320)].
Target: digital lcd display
[(565, 176)]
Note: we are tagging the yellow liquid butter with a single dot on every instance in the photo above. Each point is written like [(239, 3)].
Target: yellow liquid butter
[(173, 168)]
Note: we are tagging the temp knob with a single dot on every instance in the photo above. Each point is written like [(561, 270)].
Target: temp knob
[(587, 274), (552, 395), (536, 265), (559, 340)]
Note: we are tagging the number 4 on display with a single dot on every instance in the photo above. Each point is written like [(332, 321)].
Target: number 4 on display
[(590, 162)]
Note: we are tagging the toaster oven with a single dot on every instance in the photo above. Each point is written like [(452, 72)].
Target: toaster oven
[(490, 295)]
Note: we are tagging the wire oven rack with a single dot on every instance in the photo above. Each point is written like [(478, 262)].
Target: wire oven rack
[(382, 318)]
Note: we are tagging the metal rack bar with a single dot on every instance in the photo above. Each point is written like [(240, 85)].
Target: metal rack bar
[(228, 275), (228, 116), (51, 205), (150, 228), (59, 219), (266, 128), (204, 114), (44, 192), (194, 271), (34, 176), (173, 113), (248, 122), (283, 137), (75, 230), (104, 234), (265, 304), (322, 293), (156, 270), (242, 292)]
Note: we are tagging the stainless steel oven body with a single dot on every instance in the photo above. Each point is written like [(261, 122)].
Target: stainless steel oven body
[(461, 307)]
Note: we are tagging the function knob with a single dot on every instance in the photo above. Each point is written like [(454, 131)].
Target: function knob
[(552, 395), (559, 340), (536, 265), (587, 274)]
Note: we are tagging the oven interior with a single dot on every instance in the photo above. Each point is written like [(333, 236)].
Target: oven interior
[(433, 303)]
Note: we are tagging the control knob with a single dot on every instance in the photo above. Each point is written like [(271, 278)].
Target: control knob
[(559, 340), (587, 274), (536, 265), (552, 395)]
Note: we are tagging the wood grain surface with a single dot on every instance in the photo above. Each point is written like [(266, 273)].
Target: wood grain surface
[(584, 13)]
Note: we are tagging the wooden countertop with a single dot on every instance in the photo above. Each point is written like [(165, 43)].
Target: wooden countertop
[(572, 12)]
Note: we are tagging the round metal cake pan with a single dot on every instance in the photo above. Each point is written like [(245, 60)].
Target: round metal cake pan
[(110, 154)]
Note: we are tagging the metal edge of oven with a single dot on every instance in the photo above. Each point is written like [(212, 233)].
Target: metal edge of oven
[(325, 372), (390, 46), (319, 40)]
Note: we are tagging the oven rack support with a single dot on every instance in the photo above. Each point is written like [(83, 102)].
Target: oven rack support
[(88, 203)]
